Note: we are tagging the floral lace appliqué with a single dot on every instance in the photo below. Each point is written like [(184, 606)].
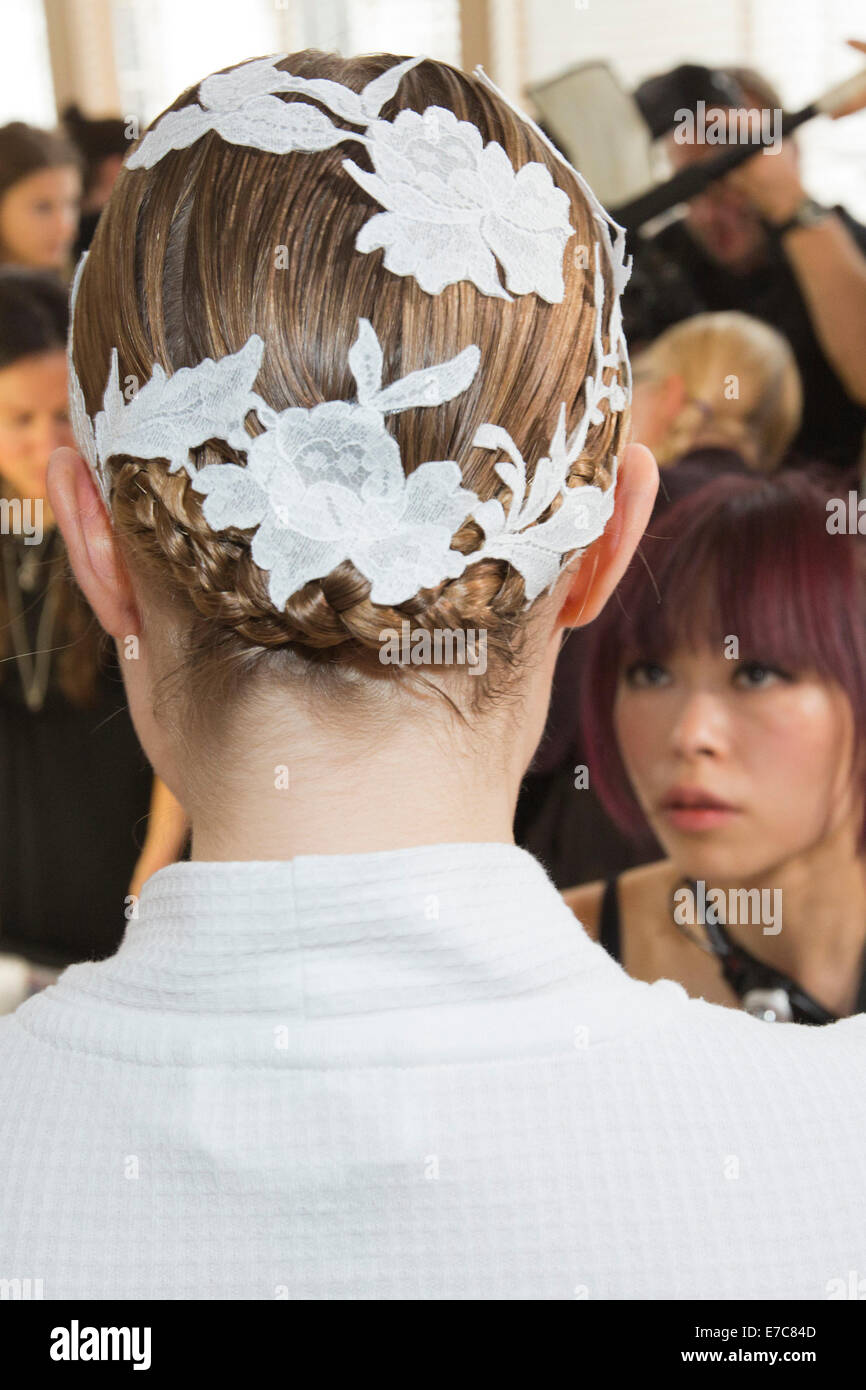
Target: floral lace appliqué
[(327, 484), (454, 206)]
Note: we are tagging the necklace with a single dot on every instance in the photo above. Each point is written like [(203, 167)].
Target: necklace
[(34, 674), (28, 570), (764, 991)]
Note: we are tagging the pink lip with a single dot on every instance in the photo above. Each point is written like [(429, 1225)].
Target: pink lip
[(690, 818), (691, 808)]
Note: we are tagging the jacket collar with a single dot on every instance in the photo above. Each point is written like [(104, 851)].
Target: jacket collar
[(335, 933), (329, 946)]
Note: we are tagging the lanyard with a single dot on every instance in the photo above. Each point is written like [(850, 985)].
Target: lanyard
[(765, 991)]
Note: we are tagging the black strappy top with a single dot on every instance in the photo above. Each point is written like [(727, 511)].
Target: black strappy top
[(609, 935)]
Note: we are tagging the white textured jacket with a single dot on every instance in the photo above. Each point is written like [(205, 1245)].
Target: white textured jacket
[(412, 1075)]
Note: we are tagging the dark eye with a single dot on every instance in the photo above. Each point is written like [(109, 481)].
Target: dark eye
[(642, 675), (754, 675)]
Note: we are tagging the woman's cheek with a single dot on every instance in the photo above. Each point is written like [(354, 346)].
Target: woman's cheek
[(799, 746), (638, 724)]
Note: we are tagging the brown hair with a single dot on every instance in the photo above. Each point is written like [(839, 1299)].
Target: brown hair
[(183, 267)]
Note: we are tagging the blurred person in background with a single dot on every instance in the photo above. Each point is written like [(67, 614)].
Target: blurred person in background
[(715, 393), (102, 143), (40, 195), (724, 705), (75, 787), (757, 241), (721, 390)]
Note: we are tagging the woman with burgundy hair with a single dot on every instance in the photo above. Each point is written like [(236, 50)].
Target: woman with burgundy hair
[(725, 709)]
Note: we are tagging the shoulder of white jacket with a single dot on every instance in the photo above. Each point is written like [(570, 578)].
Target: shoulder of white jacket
[(846, 1033)]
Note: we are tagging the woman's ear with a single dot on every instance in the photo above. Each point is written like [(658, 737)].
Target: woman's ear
[(605, 562), (91, 544)]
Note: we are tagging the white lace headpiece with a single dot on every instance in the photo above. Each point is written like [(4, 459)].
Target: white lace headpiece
[(327, 484)]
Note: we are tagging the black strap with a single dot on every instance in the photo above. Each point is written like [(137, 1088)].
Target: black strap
[(860, 1006), (744, 972), (609, 936)]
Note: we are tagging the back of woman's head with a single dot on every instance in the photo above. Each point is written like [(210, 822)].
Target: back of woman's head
[(759, 560), (741, 386), (217, 241)]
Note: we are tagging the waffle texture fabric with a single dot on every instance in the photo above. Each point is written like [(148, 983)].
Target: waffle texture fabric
[(412, 1075)]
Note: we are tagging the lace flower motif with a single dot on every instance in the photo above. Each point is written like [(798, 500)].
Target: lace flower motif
[(327, 484), (455, 206)]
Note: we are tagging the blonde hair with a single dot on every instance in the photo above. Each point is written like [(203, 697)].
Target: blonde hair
[(183, 267), (742, 386)]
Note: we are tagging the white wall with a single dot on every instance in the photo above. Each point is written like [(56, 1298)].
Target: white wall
[(636, 36), (26, 88), (163, 46)]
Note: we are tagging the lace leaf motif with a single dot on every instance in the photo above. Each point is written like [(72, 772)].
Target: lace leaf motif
[(241, 106), (534, 548), (170, 415)]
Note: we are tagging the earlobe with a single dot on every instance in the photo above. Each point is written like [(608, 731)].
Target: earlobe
[(90, 543), (606, 560)]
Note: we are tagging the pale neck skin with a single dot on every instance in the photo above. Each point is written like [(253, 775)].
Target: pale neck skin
[(402, 787)]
